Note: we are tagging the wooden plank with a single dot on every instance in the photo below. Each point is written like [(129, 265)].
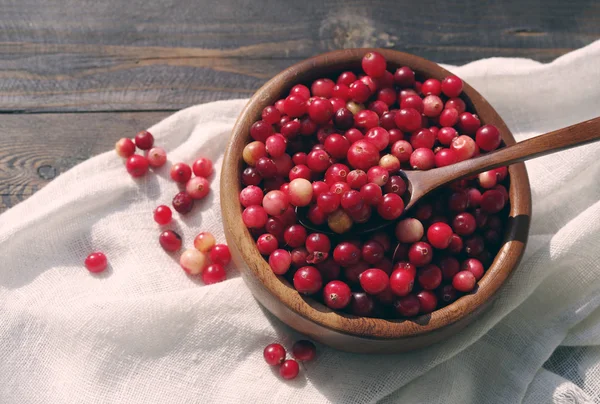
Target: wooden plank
[(34, 149), (85, 55)]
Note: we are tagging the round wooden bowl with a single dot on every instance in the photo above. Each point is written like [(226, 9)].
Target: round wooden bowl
[(339, 330)]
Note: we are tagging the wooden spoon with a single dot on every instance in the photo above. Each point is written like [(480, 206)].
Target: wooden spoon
[(421, 183)]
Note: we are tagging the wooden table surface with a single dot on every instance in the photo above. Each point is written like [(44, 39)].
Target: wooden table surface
[(76, 75)]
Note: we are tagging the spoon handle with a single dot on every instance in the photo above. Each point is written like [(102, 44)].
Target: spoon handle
[(571, 136)]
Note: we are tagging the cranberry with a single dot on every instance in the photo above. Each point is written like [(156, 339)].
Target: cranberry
[(468, 123), (304, 350), (407, 306), (488, 138), (431, 86), (404, 77), (274, 354), (474, 197), (341, 91), (183, 202), (458, 201), (402, 281), (420, 253), (361, 215), (318, 242), (271, 115), (356, 179), (340, 188), (390, 207), (363, 155), (214, 273), (362, 304), (387, 95), (295, 105), (251, 195), (308, 280), (402, 150), (449, 267), (339, 221), (202, 167), (369, 82), (220, 254), (387, 120), (359, 91), (366, 119), (430, 277), (408, 119), (464, 224), (456, 244), (290, 129), (253, 151), (353, 135), (300, 90), (445, 157), (422, 159), (204, 242), (336, 173), (424, 212), (300, 192), (492, 201), (346, 254), (371, 194), (409, 230), (378, 137), (457, 104), (192, 261), (474, 266), (379, 107), (352, 201), (374, 281), (446, 135), (320, 110), (137, 165), (337, 294), (439, 235), (464, 281), (374, 64), (474, 246), (322, 88), (464, 147), (423, 138), (295, 236), (412, 101), (144, 140), (289, 369), (280, 261), (432, 106), (162, 215), (346, 78), (197, 187), (96, 262), (181, 172), (372, 252), (261, 130), (125, 147), (452, 86), (427, 301), (378, 175)]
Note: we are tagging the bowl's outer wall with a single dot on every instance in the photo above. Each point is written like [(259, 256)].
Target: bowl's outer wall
[(341, 331)]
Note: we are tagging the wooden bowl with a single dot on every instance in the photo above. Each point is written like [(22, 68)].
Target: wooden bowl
[(339, 330)]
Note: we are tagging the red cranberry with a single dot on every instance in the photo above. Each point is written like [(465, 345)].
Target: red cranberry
[(458, 201), (408, 119), (431, 86), (125, 147), (439, 235), (181, 172), (307, 280), (390, 207), (412, 101), (474, 246), (274, 354), (446, 135), (362, 304), (430, 277), (220, 254), (402, 150), (213, 273), (96, 262), (289, 130), (254, 217), (474, 266), (464, 224), (346, 254), (374, 64), (387, 95), (202, 167), (402, 281), (183, 203), (492, 201), (464, 281), (318, 242), (157, 157), (353, 135), (197, 187), (372, 252), (304, 350), (422, 159), (261, 130), (253, 151), (427, 301), (457, 104), (356, 179), (271, 115), (346, 78), (336, 173), (341, 91), (322, 88), (366, 119), (137, 165), (295, 105), (449, 266), (452, 86), (295, 236), (162, 215), (371, 194), (251, 195), (300, 90), (170, 241), (445, 157), (144, 140), (488, 138), (280, 261), (337, 294), (420, 254), (407, 306), (359, 91), (468, 123), (464, 147), (289, 369), (404, 77), (275, 145), (374, 281), (352, 201), (422, 138), (363, 155)]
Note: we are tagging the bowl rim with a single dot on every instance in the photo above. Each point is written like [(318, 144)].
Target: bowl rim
[(465, 307)]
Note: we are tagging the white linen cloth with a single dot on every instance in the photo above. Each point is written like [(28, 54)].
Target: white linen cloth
[(144, 332)]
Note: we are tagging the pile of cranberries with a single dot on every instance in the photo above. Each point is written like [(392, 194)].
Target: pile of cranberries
[(207, 259), (302, 350), (336, 149)]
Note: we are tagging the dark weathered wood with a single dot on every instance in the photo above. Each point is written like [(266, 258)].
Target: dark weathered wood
[(345, 332), (34, 149), (84, 55)]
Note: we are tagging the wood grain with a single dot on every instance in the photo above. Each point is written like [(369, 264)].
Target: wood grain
[(346, 332), (34, 149), (85, 55)]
